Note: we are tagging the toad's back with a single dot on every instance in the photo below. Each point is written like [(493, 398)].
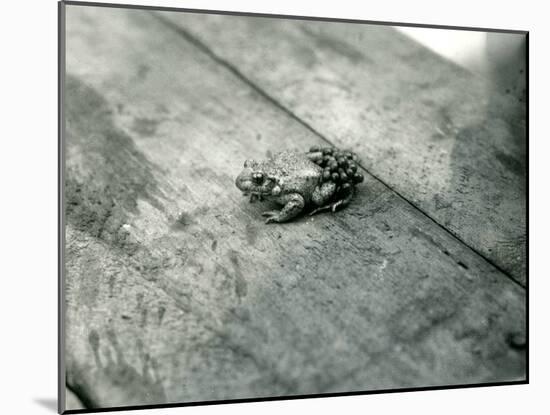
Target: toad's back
[(296, 172)]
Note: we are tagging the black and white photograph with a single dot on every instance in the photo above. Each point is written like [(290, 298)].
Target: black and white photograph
[(232, 207), (258, 207), (267, 207)]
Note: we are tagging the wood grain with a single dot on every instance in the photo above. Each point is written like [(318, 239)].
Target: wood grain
[(176, 291), (450, 142)]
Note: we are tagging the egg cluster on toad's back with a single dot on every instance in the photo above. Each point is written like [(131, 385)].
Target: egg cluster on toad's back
[(339, 166)]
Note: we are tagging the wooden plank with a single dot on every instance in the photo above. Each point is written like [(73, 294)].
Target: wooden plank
[(446, 140), (178, 292)]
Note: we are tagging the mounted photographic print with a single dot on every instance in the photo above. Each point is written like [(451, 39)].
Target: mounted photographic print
[(258, 207)]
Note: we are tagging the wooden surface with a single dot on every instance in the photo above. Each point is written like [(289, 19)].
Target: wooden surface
[(449, 142), (176, 291)]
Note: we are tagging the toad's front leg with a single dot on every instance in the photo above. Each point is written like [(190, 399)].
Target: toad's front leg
[(293, 204)]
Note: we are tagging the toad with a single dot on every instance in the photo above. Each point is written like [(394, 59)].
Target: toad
[(322, 179)]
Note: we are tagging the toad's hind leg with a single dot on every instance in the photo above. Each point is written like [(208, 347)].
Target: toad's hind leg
[(322, 194), (348, 191), (294, 204)]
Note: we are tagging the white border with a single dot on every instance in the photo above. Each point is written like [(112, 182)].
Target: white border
[(29, 204)]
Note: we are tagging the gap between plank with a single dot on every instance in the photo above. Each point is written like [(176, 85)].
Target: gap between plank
[(235, 71)]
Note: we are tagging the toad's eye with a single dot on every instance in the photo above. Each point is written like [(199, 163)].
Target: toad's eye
[(248, 163), (257, 177)]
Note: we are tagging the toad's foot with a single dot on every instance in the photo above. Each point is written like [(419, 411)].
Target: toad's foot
[(271, 216), (294, 204)]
